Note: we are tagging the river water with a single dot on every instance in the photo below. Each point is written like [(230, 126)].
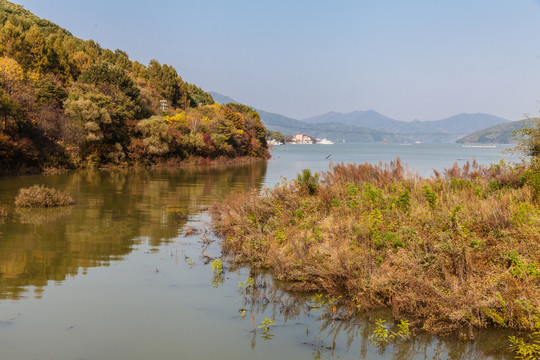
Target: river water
[(125, 272)]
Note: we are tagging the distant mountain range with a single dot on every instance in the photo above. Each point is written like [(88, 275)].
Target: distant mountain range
[(445, 130), (371, 126)]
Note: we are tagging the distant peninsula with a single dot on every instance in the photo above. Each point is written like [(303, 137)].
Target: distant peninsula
[(498, 134)]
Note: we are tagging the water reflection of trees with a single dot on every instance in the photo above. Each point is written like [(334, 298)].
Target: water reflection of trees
[(267, 299), (114, 211)]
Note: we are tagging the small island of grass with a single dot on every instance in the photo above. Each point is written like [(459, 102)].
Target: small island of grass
[(41, 196)]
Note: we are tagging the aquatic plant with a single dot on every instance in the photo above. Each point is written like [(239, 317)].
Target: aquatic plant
[(382, 336), (246, 285), (318, 301), (217, 265), (41, 196), (526, 349), (266, 324)]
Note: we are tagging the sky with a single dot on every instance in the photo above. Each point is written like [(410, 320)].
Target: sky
[(414, 59)]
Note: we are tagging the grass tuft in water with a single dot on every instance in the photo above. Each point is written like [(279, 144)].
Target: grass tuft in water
[(41, 196)]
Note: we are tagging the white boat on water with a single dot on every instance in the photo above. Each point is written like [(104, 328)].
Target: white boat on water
[(324, 141)]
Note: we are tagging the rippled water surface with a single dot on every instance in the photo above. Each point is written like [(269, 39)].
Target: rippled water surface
[(125, 272)]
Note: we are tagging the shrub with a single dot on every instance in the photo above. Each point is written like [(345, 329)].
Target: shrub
[(431, 197), (41, 196), (307, 181)]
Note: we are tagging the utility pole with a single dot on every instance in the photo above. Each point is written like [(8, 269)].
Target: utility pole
[(164, 105)]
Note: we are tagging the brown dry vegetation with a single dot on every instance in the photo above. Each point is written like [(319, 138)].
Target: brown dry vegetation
[(41, 196), (460, 249)]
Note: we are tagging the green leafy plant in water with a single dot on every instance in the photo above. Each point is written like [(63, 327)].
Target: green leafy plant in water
[(217, 265), (526, 350), (404, 330), (265, 325), (218, 278), (318, 301), (246, 286), (382, 336)]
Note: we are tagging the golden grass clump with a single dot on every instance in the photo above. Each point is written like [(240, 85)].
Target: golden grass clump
[(41, 196), (459, 249)]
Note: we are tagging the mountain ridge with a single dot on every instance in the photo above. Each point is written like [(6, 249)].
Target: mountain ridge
[(337, 125)]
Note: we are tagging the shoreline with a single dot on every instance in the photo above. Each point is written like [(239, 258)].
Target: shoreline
[(170, 163)]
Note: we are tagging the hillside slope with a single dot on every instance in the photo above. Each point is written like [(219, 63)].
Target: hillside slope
[(67, 102), (498, 134)]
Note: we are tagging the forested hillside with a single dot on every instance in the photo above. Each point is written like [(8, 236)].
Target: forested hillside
[(498, 134), (68, 103)]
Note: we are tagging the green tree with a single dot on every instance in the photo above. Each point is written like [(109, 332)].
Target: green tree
[(197, 96), (528, 141), (168, 83), (528, 145), (104, 73)]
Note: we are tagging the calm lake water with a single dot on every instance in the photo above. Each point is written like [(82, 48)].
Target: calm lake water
[(125, 273)]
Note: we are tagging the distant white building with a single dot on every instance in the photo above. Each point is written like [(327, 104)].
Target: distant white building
[(302, 139), (273, 142)]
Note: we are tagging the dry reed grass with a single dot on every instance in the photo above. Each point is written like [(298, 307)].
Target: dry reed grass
[(460, 249), (41, 196)]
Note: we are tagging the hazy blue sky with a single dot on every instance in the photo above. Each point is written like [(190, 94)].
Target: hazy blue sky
[(409, 59)]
